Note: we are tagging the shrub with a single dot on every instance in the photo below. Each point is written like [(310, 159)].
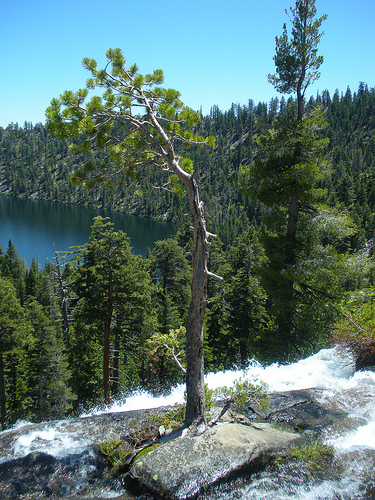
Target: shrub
[(356, 328)]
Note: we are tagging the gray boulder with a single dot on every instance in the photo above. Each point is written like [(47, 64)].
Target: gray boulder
[(301, 411), (180, 469)]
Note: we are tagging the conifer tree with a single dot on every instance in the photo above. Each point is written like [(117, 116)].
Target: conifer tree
[(31, 280), (114, 296), (170, 271), (285, 173), (138, 123), (246, 298), (48, 373), (14, 334), (297, 61), (17, 269)]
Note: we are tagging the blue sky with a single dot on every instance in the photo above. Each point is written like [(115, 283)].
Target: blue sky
[(214, 52)]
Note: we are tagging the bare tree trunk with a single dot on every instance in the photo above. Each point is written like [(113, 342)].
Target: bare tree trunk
[(106, 358), (293, 213), (300, 98), (107, 344), (64, 303), (40, 391), (196, 418), (116, 359), (286, 313), (3, 408)]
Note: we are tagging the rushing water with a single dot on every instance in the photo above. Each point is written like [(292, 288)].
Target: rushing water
[(35, 227), (329, 373)]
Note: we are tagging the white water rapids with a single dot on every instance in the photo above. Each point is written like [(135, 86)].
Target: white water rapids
[(330, 372)]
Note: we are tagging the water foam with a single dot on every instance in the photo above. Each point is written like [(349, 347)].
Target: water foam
[(140, 400), (331, 370), (362, 437), (327, 369), (54, 439)]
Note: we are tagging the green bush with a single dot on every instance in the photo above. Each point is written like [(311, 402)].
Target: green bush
[(315, 455)]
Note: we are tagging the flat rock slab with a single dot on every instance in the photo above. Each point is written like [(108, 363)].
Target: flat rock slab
[(301, 410), (182, 468)]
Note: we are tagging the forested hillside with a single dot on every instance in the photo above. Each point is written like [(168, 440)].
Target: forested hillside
[(35, 164), (57, 323)]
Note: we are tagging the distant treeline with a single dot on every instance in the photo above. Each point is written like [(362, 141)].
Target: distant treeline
[(35, 164)]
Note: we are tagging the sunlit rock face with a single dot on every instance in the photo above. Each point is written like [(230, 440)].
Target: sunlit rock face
[(188, 465)]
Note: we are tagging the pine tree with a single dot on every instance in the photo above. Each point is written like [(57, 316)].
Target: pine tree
[(170, 271), (291, 162), (48, 374), (14, 336), (246, 298), (144, 140), (17, 269), (114, 302), (297, 61), (31, 280)]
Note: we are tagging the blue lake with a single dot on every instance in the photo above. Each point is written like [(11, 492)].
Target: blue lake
[(36, 227)]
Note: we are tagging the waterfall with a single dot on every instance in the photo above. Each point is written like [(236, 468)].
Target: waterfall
[(329, 373)]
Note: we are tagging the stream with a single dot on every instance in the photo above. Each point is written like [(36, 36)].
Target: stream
[(61, 457)]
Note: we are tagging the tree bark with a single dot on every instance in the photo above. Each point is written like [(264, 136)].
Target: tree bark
[(107, 344), (116, 359), (196, 418), (286, 314), (291, 233), (3, 408)]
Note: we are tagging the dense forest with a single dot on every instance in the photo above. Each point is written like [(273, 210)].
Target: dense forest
[(37, 165), (57, 323)]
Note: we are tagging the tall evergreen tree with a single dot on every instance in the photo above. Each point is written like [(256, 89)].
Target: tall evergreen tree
[(146, 139), (297, 61), (291, 161), (246, 298), (14, 335), (114, 299), (31, 280), (48, 374), (170, 271), (17, 270)]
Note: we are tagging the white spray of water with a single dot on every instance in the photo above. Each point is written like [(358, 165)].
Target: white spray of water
[(140, 400), (54, 439), (330, 370), (362, 437), (18, 425), (327, 369)]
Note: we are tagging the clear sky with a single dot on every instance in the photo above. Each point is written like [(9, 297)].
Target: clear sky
[(214, 52)]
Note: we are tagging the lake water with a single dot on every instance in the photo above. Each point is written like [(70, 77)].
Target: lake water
[(36, 226)]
